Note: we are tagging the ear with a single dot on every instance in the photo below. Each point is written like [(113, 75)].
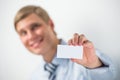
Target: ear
[(51, 24)]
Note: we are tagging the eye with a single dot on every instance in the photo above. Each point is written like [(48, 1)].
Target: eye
[(23, 33), (35, 26)]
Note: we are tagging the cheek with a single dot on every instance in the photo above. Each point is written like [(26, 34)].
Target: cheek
[(43, 32), (24, 41), (40, 31), (49, 36)]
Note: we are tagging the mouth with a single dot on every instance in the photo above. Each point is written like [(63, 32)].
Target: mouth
[(36, 43)]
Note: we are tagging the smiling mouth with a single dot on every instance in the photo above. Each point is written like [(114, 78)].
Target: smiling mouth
[(36, 43)]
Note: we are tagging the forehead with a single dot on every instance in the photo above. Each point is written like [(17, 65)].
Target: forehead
[(26, 22)]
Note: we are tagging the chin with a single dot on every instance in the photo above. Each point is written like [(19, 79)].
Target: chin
[(36, 52)]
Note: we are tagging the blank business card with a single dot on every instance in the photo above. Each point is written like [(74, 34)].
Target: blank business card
[(66, 51)]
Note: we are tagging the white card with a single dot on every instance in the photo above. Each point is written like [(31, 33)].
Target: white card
[(66, 51)]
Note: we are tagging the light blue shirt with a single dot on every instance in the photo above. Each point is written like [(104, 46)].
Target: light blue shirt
[(68, 70)]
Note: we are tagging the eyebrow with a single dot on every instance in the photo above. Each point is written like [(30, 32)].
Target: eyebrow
[(33, 24)]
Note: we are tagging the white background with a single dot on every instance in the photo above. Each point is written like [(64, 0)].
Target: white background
[(99, 20)]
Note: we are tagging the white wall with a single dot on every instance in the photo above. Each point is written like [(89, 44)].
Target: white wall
[(99, 20)]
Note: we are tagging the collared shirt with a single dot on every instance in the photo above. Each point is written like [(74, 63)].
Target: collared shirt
[(68, 70)]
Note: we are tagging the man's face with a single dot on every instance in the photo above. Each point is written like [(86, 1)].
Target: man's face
[(36, 35)]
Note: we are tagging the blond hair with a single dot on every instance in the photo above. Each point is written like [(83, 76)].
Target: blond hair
[(27, 10)]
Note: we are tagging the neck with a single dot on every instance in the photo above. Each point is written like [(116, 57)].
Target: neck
[(49, 57)]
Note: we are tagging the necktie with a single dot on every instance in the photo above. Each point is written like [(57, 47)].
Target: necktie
[(51, 68)]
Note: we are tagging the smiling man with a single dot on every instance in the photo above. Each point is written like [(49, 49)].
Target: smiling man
[(36, 31), (38, 36)]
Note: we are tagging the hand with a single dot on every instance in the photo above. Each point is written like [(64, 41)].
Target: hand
[(90, 59)]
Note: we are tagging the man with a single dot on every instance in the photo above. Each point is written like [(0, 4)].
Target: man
[(36, 31)]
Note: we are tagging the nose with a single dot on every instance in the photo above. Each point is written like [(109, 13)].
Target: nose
[(30, 35)]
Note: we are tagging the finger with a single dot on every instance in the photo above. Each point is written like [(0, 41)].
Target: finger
[(79, 61), (82, 39), (76, 39), (88, 44), (89, 50), (70, 42)]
